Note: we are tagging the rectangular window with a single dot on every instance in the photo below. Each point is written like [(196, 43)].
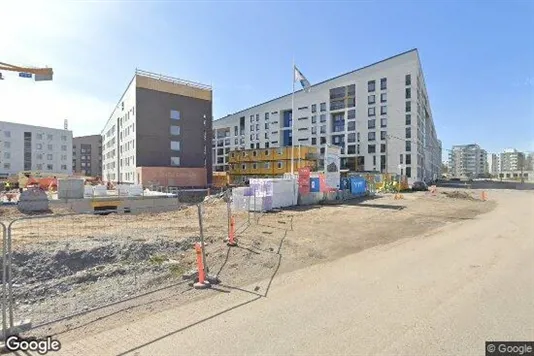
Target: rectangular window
[(408, 93), (408, 159), (383, 83), (251, 118), (63, 138), (408, 119), (175, 145), (408, 172), (50, 167), (314, 108), (314, 140), (63, 157), (351, 90), (323, 129), (383, 122), (408, 132), (7, 144), (371, 148), (408, 146), (175, 115), (408, 79), (374, 160), (50, 147), (40, 166), (175, 130), (383, 97), (371, 86), (371, 111), (371, 99), (383, 135), (40, 137), (351, 102), (257, 127), (351, 126), (7, 165), (323, 140), (323, 107), (371, 136), (322, 118), (251, 127), (63, 167), (313, 119), (39, 156), (49, 157), (314, 130), (175, 161), (7, 155), (371, 124), (63, 147), (408, 106), (382, 147), (7, 133), (383, 110), (351, 114), (257, 117), (266, 116), (266, 126), (266, 135), (257, 137), (400, 158), (351, 137)]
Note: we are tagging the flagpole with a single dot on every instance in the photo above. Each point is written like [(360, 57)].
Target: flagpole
[(292, 118)]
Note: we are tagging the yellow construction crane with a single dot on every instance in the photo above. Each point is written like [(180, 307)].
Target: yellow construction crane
[(28, 72)]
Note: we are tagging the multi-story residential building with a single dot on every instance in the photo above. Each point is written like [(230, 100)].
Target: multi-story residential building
[(34, 148), (379, 115), (159, 121), (493, 164), (467, 161), (87, 155), (511, 160)]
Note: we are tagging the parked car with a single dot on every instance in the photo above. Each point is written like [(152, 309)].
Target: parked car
[(419, 186)]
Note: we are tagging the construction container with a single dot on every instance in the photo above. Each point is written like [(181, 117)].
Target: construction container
[(100, 191), (70, 188)]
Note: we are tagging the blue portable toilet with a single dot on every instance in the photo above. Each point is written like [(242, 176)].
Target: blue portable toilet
[(314, 185), (358, 186)]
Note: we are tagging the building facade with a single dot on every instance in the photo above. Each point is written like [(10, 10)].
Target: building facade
[(158, 122), (467, 161), (493, 164), (379, 115), (511, 160), (87, 155), (34, 148)]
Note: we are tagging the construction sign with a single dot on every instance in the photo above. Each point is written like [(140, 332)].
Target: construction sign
[(304, 180)]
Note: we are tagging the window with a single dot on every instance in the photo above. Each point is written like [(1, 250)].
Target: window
[(408, 146), (323, 129), (266, 116), (49, 157), (280, 165), (382, 147), (251, 118), (371, 86), (314, 140), (323, 140), (257, 117), (371, 111), (371, 136), (251, 127), (314, 130), (64, 167), (383, 135), (175, 145), (7, 165), (351, 114), (50, 137), (254, 166), (371, 124), (39, 156), (175, 115), (40, 137), (7, 133), (383, 110), (50, 167), (408, 79), (408, 132), (351, 137), (323, 107), (408, 119), (266, 135), (383, 122), (7, 155), (371, 99), (7, 144), (257, 127), (251, 137), (351, 126), (175, 130), (408, 106), (266, 126), (374, 160), (314, 108), (351, 102), (257, 137), (322, 118), (408, 172), (371, 149), (63, 157), (50, 147), (383, 83), (408, 93), (383, 97), (63, 138), (63, 147), (408, 159), (400, 158), (313, 119), (40, 166)]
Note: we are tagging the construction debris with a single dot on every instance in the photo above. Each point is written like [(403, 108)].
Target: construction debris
[(459, 195)]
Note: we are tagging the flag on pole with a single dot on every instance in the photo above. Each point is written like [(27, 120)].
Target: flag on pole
[(299, 77)]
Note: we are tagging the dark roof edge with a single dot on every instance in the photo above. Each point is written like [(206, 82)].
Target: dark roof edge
[(327, 80)]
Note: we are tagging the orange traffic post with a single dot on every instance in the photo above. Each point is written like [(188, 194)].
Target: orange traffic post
[(231, 233), (202, 282), (483, 196)]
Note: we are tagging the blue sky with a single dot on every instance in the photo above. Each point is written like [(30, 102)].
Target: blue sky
[(478, 57)]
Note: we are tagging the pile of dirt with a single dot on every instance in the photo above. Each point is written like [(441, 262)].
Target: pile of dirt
[(456, 194)]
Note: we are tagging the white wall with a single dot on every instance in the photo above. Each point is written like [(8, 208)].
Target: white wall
[(394, 70), (54, 159)]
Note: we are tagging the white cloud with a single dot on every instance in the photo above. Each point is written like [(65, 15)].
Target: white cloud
[(55, 34)]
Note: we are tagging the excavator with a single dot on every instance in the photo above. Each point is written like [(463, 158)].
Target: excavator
[(39, 74)]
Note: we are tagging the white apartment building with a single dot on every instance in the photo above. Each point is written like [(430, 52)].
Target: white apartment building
[(379, 115), (493, 163), (34, 148), (511, 160), (467, 161)]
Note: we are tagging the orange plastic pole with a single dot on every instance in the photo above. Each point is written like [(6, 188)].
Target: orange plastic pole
[(200, 264), (231, 233)]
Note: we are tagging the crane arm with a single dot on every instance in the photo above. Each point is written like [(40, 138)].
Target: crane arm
[(38, 71)]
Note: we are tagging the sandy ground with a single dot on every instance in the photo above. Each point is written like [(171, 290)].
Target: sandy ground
[(142, 275)]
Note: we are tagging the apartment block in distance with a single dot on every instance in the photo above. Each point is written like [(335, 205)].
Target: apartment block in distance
[(467, 161), (158, 133), (34, 148), (511, 160), (379, 115), (87, 155)]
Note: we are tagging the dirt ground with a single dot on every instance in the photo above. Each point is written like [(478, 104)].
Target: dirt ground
[(116, 268)]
